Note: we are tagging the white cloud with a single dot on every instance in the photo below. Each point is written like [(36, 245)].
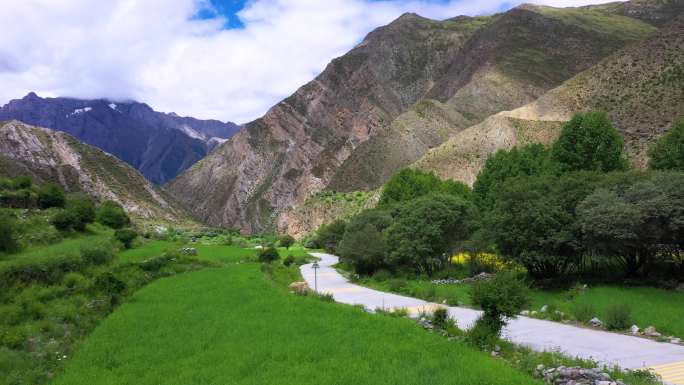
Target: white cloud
[(156, 51)]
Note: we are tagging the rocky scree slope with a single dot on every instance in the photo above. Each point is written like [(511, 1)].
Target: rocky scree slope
[(641, 88), (53, 156), (158, 145), (408, 87)]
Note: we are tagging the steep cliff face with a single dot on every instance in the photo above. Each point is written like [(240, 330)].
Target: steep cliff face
[(641, 88), (159, 145), (48, 155), (407, 88)]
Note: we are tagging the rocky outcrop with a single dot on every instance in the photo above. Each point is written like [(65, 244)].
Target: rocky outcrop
[(405, 89), (158, 145), (48, 155)]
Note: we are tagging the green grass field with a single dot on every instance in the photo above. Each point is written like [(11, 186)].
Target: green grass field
[(663, 309), (233, 325)]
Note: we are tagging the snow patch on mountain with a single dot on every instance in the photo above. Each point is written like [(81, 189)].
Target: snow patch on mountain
[(79, 111), (191, 132)]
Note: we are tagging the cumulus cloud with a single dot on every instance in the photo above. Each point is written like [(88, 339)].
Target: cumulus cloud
[(159, 52)]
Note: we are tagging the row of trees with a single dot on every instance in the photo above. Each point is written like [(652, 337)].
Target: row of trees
[(572, 208)]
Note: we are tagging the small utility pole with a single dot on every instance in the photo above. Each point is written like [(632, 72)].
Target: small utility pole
[(315, 268)]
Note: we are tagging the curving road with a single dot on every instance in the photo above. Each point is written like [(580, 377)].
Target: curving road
[(604, 347)]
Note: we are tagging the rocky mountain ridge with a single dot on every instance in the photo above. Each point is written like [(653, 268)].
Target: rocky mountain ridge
[(157, 144)]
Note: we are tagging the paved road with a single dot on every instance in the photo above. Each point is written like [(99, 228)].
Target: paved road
[(607, 348)]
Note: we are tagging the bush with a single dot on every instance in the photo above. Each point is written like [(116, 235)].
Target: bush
[(64, 220), (113, 215), (22, 182), (97, 254), (8, 234), (584, 311), (51, 195), (618, 317), (286, 241), (667, 153), (440, 318), (83, 210), (75, 281), (268, 255), (397, 284), (108, 284), (382, 275), (501, 297), (126, 237), (329, 236), (289, 260), (483, 335)]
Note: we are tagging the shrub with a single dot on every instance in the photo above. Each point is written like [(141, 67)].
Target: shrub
[(8, 234), (501, 297), (483, 335), (440, 317), (667, 153), (289, 260), (51, 195), (110, 285), (126, 237), (397, 284), (113, 215), (75, 281), (286, 241), (64, 220), (268, 255), (584, 311), (618, 317), (83, 210), (329, 236), (97, 254), (382, 275), (22, 182)]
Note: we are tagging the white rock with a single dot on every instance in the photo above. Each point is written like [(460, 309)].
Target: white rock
[(634, 329), (544, 308), (595, 322)]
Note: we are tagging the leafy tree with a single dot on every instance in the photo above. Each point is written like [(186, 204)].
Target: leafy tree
[(22, 182), (286, 241), (363, 243), (589, 142), (500, 298), (668, 152), (113, 215), (268, 255), (531, 226), (533, 159), (64, 220), (409, 184), (126, 237), (51, 195), (8, 234), (83, 210), (330, 235), (426, 229)]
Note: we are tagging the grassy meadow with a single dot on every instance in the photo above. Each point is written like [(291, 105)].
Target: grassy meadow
[(233, 325)]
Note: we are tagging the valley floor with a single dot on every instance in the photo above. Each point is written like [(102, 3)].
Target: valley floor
[(234, 325)]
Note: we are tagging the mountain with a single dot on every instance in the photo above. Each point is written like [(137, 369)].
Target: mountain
[(406, 88), (158, 145), (48, 155), (641, 88)]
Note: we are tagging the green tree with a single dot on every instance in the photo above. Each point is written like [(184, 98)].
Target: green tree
[(51, 195), (500, 298), (533, 159), (286, 241), (113, 215), (409, 184), (363, 243), (330, 235), (426, 229), (22, 182), (668, 152), (126, 237), (83, 210), (589, 142), (268, 255), (530, 225), (8, 234), (64, 220)]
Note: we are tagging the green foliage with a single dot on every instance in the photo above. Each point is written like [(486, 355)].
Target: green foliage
[(97, 254), (289, 260), (363, 243), (268, 255), (83, 211), (126, 237), (440, 318), (483, 335), (113, 215), (286, 241), (22, 182), (8, 234), (329, 235), (64, 220), (426, 231), (51, 195), (501, 298), (584, 311), (668, 152), (409, 184), (619, 317), (533, 159), (589, 142)]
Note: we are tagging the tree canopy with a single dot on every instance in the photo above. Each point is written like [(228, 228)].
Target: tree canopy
[(668, 152)]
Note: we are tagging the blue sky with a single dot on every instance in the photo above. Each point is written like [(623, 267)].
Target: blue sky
[(220, 59)]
